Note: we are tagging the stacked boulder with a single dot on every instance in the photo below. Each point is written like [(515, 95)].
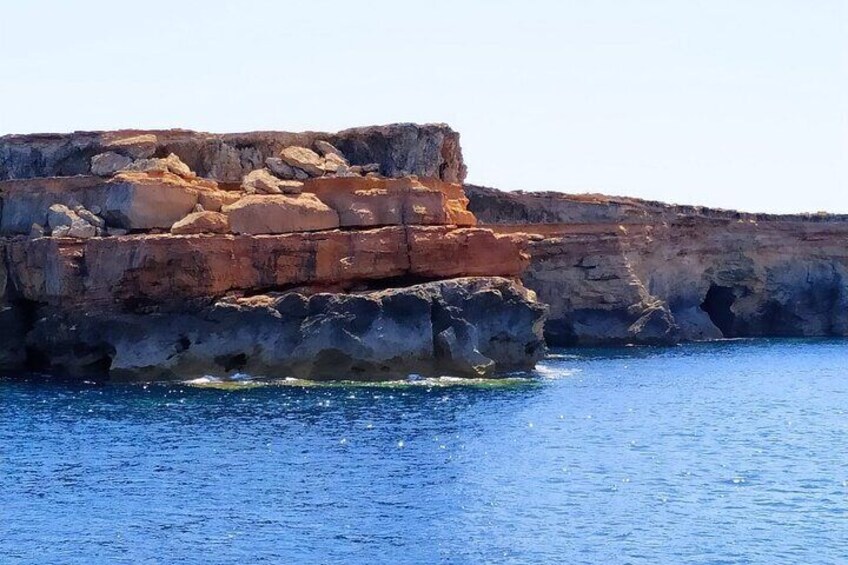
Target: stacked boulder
[(300, 189), (79, 222)]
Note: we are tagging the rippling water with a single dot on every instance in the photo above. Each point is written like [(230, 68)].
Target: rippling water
[(723, 453)]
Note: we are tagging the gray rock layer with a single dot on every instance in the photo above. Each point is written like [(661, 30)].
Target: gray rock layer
[(465, 327)]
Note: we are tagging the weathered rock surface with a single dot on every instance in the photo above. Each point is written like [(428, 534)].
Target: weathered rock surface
[(621, 270), (168, 271), (202, 222), (280, 214), (263, 182), (156, 198), (170, 164), (361, 201), (400, 149), (14, 322), (474, 327), (108, 163), (129, 200), (303, 159)]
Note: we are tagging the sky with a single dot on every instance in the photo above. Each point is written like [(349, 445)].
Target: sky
[(730, 103)]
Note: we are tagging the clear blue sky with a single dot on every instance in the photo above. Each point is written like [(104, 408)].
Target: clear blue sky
[(732, 103)]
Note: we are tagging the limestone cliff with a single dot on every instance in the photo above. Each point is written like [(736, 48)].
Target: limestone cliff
[(430, 150), (168, 254), (622, 270)]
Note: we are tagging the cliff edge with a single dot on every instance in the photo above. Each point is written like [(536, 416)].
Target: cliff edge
[(624, 270)]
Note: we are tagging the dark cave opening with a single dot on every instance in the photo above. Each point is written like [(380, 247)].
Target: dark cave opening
[(717, 304)]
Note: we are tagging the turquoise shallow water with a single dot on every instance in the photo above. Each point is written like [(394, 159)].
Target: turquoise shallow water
[(731, 452)]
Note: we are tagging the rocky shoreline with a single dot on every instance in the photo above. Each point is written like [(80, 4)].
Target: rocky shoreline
[(360, 254), (162, 255), (622, 270)]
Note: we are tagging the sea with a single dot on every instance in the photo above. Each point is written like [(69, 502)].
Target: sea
[(724, 452)]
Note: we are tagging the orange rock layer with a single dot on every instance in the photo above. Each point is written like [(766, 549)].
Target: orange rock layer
[(167, 271)]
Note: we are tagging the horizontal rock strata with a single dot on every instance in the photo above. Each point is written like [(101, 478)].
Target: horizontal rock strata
[(129, 272), (176, 254), (622, 270)]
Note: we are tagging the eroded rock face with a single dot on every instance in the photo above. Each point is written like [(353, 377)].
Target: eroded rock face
[(494, 325), (430, 150), (169, 272), (128, 200), (175, 254), (620, 270), (280, 214), (202, 222), (14, 323), (108, 163), (362, 201)]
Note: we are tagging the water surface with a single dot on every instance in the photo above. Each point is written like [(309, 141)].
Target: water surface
[(732, 452)]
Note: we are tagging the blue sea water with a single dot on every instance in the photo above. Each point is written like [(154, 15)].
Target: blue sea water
[(733, 452)]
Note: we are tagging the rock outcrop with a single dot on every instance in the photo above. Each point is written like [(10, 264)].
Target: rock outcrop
[(462, 326), (398, 150), (172, 255), (165, 271), (622, 270)]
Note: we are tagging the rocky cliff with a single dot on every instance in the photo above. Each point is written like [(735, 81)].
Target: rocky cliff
[(622, 270), (168, 254)]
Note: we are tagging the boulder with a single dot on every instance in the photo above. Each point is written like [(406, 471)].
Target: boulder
[(90, 217), (129, 200), (202, 222), (327, 149), (138, 201), (109, 163), (280, 214), (81, 229), (304, 159), (140, 146), (59, 215), (170, 164), (362, 202), (261, 181), (64, 222), (214, 200), (280, 168), (332, 164)]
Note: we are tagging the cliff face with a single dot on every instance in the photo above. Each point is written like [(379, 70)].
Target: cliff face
[(175, 254), (625, 270), (430, 150)]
